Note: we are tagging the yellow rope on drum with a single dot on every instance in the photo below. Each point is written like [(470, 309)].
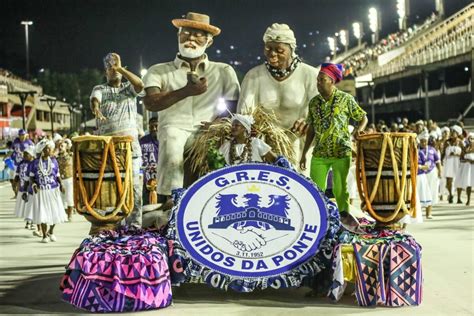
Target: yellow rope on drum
[(124, 191), (400, 185)]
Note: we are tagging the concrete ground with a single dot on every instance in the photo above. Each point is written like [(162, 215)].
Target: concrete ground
[(30, 273)]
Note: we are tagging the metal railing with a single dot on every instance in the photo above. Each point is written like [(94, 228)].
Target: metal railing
[(449, 38)]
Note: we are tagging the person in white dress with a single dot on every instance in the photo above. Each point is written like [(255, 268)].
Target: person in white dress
[(465, 176), (283, 85), (429, 170), (46, 186), (445, 133), (23, 204), (242, 147), (451, 155)]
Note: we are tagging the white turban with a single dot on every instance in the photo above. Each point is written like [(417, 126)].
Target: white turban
[(471, 135), (68, 143), (280, 33), (57, 137), (445, 130), (42, 144), (31, 151), (423, 135), (245, 120), (457, 129), (420, 122), (434, 134)]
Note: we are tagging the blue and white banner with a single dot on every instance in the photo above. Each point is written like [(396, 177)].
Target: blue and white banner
[(252, 221)]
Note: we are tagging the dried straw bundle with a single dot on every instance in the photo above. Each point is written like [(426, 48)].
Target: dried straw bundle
[(204, 153)]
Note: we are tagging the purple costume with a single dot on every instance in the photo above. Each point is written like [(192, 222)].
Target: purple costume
[(44, 181), (149, 147), (427, 155), (18, 147)]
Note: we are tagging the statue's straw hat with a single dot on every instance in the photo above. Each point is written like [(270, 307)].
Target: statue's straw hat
[(197, 21)]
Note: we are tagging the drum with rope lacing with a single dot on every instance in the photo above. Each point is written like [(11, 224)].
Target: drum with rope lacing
[(386, 169), (103, 180)]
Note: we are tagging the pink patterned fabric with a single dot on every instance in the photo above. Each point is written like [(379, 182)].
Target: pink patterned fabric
[(118, 272)]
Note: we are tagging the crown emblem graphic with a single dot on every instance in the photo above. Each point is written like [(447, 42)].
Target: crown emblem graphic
[(253, 188)]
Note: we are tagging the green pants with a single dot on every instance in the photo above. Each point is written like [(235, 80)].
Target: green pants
[(340, 168)]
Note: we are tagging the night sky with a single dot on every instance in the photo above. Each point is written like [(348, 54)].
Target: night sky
[(70, 35)]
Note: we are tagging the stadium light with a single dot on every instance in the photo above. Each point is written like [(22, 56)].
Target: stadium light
[(374, 24), (357, 30), (344, 38), (439, 7), (26, 24), (403, 7), (332, 45)]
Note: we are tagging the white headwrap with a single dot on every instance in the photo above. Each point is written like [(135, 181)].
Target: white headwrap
[(423, 135), (471, 135), (42, 144), (445, 130), (457, 129), (57, 137), (31, 151), (434, 134), (280, 33), (420, 122), (245, 120), (68, 143)]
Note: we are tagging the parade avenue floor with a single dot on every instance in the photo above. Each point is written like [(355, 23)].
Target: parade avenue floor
[(30, 273)]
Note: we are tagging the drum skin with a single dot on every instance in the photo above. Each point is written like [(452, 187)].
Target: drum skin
[(386, 167)]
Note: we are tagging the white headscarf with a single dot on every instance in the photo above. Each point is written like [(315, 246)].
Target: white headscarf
[(471, 135), (42, 144), (68, 143), (423, 135), (434, 134), (245, 120), (457, 129), (31, 151), (280, 33), (445, 130), (57, 137)]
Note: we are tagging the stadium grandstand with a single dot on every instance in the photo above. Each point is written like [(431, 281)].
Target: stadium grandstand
[(423, 71)]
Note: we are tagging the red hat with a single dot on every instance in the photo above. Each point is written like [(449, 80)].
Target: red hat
[(334, 71)]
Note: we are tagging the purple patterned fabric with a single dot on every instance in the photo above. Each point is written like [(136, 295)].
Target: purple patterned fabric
[(388, 268), (45, 182), (149, 148), (18, 147), (427, 155), (119, 271), (22, 173)]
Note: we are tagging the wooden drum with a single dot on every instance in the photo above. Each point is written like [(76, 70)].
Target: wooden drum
[(103, 181), (386, 168)]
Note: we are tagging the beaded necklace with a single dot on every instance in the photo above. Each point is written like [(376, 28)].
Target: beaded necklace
[(45, 172), (282, 73), (246, 155)]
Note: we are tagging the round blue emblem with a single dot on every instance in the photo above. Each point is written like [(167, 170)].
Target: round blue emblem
[(252, 220)]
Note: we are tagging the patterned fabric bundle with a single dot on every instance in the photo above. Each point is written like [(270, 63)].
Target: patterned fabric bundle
[(315, 273), (119, 271), (388, 269)]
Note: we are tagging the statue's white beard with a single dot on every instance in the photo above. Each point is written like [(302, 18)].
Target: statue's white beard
[(191, 52)]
